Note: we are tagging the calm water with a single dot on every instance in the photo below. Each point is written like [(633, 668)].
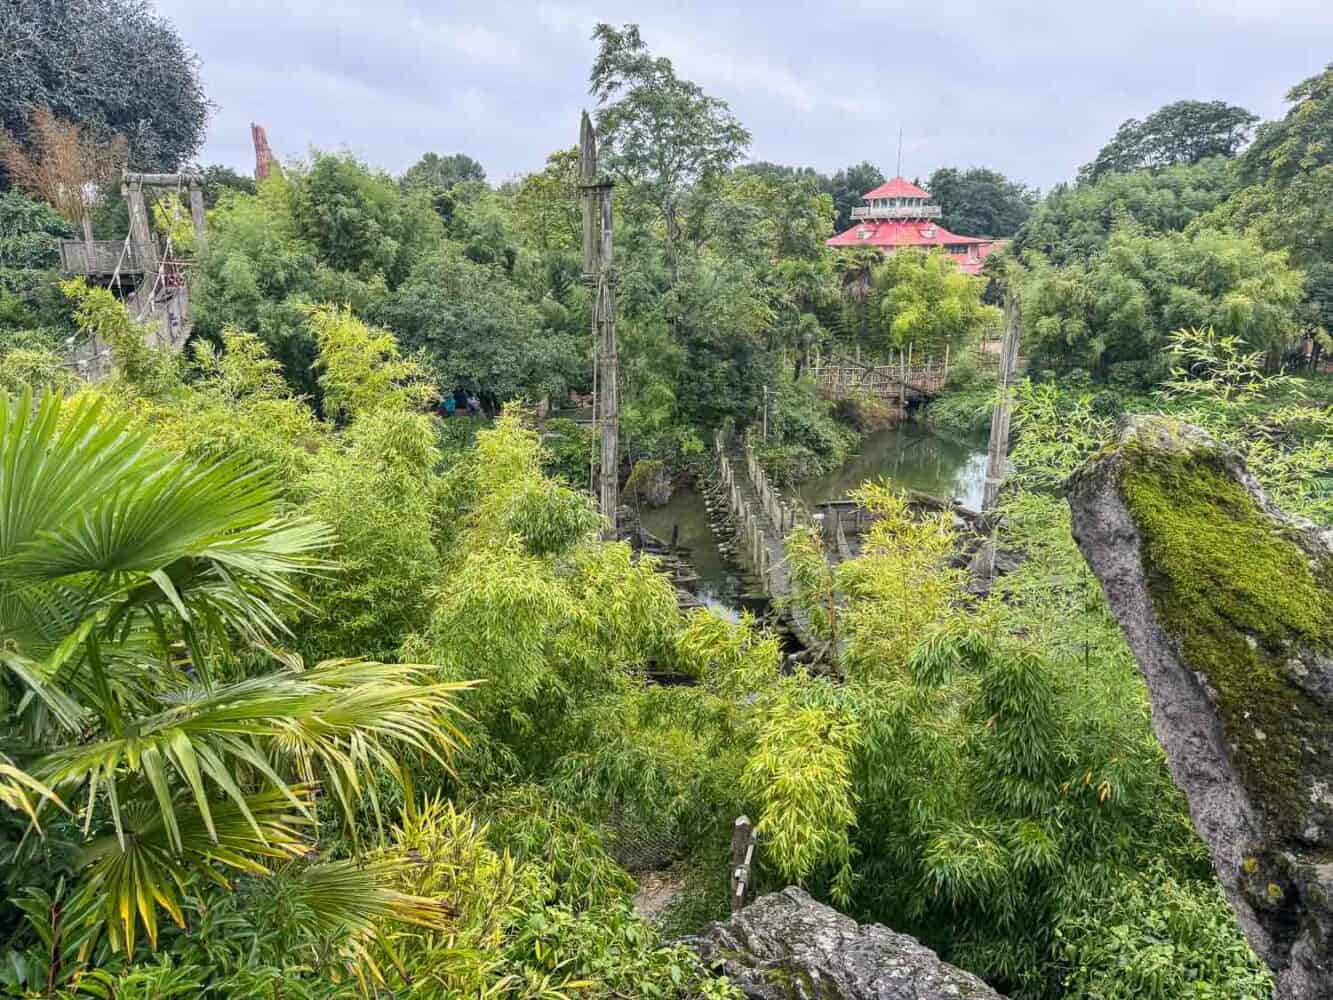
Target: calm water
[(909, 456), (719, 586)]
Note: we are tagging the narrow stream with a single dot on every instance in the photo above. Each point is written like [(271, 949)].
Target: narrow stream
[(909, 456)]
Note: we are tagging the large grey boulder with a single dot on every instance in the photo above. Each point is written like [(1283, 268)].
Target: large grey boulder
[(786, 946), (1226, 603)]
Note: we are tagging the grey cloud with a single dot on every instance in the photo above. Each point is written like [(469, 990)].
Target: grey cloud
[(1032, 89)]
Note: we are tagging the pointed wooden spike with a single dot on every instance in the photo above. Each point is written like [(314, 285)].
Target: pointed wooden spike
[(587, 151)]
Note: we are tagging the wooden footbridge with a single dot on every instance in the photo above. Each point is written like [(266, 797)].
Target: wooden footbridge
[(899, 383), (763, 518)]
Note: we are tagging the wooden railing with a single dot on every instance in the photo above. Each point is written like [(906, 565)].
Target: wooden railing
[(889, 382), (898, 212), (782, 516), (102, 257)]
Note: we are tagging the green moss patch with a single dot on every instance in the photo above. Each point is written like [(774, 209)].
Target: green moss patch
[(1239, 594)]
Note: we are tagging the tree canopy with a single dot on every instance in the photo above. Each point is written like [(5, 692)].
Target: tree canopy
[(443, 172), (980, 202), (656, 129), (115, 66), (1182, 132), (849, 185)]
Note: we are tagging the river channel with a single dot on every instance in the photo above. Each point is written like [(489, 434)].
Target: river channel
[(908, 456)]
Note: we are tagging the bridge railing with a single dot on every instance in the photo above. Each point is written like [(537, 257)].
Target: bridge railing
[(781, 514)]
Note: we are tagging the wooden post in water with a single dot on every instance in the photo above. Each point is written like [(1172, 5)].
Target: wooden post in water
[(998, 449), (600, 277)]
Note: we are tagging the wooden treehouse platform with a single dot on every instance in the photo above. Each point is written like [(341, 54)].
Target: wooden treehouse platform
[(103, 258)]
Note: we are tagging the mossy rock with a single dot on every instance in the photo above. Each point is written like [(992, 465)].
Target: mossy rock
[(1224, 601)]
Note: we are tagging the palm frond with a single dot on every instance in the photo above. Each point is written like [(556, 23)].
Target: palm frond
[(130, 876)]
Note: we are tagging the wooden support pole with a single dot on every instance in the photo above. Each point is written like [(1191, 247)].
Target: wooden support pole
[(742, 856), (197, 217), (598, 273), (998, 447), (141, 233)]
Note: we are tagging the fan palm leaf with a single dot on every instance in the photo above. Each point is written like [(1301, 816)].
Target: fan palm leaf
[(124, 571)]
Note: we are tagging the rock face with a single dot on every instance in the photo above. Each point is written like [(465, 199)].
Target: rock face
[(1225, 603), (786, 946)]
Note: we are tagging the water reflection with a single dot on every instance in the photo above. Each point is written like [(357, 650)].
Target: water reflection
[(909, 456), (719, 587)]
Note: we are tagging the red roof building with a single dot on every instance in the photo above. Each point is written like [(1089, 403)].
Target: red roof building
[(899, 214)]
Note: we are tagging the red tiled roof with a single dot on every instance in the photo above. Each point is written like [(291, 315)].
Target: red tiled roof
[(896, 188), (900, 233), (890, 235)]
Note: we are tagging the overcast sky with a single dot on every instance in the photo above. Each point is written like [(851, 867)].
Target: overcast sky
[(1030, 89)]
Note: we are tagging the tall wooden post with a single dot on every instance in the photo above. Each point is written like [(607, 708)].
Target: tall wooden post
[(197, 217), (141, 232), (599, 274), (998, 449)]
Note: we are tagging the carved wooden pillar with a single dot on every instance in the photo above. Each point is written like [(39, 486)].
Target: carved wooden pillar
[(599, 274)]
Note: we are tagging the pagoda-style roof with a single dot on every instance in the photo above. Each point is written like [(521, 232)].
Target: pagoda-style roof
[(896, 188), (968, 252)]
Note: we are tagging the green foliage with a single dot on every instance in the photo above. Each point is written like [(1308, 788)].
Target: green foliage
[(28, 231), (1182, 132), (114, 65), (801, 774), (980, 202), (361, 369), (357, 220), (1298, 143), (1157, 937), (848, 186), (475, 331), (1056, 433), (1121, 304), (663, 132), (923, 299), (1074, 223), (100, 314), (435, 172), (134, 581)]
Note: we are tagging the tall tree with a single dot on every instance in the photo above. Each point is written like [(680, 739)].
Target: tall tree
[(848, 187), (659, 132), (1289, 205), (112, 65), (1183, 132), (980, 202), (434, 171), (1302, 140)]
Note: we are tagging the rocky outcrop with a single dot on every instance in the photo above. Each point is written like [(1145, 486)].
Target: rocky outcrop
[(1225, 602), (786, 946)]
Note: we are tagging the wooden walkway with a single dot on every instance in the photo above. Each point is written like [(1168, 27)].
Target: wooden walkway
[(763, 520)]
